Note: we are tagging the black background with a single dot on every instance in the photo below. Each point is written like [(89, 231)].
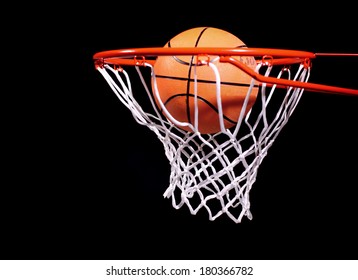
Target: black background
[(83, 180)]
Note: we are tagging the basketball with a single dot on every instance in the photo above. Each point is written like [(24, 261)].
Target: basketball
[(175, 81)]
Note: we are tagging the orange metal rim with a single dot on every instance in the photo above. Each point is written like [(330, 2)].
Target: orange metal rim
[(147, 52), (139, 56)]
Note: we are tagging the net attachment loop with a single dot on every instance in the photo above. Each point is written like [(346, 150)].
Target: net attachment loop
[(267, 60), (139, 61), (203, 59)]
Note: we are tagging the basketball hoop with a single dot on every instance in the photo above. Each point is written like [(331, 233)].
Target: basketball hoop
[(214, 171)]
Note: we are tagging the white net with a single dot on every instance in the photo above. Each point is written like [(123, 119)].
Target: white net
[(213, 171)]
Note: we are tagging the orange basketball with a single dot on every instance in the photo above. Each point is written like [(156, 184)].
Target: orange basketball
[(175, 81)]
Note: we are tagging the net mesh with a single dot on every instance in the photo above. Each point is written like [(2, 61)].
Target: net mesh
[(214, 172)]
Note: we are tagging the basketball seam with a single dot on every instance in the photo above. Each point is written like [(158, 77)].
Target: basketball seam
[(204, 81), (202, 99)]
